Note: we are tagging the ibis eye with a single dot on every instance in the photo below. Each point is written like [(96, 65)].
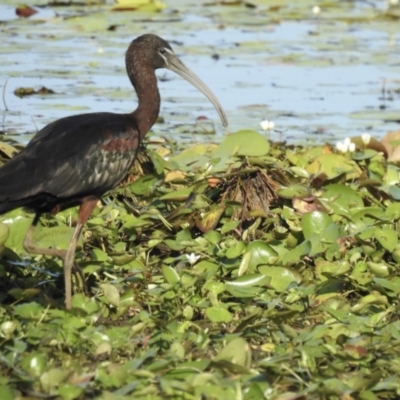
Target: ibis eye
[(163, 51)]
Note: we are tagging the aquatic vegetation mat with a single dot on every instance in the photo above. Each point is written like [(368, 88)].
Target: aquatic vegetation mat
[(246, 270)]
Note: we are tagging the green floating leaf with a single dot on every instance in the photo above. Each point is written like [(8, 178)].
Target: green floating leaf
[(111, 294), (18, 225), (7, 149), (58, 237), (280, 277), (392, 175), (133, 222), (372, 298), (295, 255), (99, 255), (70, 392), (206, 268), (241, 290), (392, 285), (86, 304), (394, 191), (249, 280), (4, 233), (334, 165), (143, 186), (215, 287), (242, 143), (218, 314), (210, 219), (257, 253), (342, 198), (194, 157), (379, 269), (140, 5), (229, 226), (157, 160), (35, 364), (7, 393), (314, 223), (170, 275), (387, 238), (325, 268), (237, 351), (50, 380), (29, 310), (7, 329), (177, 195), (213, 237), (290, 192), (319, 229), (368, 216), (236, 250)]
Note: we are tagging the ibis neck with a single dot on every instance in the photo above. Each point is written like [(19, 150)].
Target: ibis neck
[(148, 108)]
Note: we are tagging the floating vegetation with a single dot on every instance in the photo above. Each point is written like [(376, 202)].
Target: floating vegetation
[(257, 271)]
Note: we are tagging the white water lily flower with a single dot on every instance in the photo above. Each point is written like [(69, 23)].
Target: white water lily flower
[(316, 10), (346, 146), (366, 138), (342, 147), (347, 142), (192, 258), (267, 125)]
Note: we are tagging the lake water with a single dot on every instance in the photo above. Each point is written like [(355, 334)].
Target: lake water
[(319, 78)]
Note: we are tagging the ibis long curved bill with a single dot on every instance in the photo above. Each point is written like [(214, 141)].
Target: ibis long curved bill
[(174, 64)]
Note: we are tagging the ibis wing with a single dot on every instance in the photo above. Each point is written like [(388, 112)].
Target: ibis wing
[(72, 157)]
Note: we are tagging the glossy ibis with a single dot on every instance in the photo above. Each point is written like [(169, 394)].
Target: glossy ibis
[(75, 160)]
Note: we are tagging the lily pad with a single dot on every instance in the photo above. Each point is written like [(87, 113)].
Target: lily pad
[(242, 143)]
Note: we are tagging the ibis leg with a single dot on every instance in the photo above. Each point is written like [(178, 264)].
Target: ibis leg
[(68, 263), (85, 210), (30, 247), (67, 256)]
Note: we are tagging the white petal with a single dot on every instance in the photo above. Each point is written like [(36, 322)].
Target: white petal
[(366, 138), (316, 10), (339, 146), (267, 125)]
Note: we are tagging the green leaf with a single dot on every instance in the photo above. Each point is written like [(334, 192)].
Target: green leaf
[(314, 223), (70, 392), (387, 238), (53, 378), (280, 277), (342, 198), (143, 186), (4, 233), (229, 226), (292, 191), (111, 294), (157, 160), (218, 314), (237, 351), (249, 280), (55, 237), (295, 255), (35, 364), (334, 165), (177, 195), (242, 143), (29, 310), (170, 275)]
